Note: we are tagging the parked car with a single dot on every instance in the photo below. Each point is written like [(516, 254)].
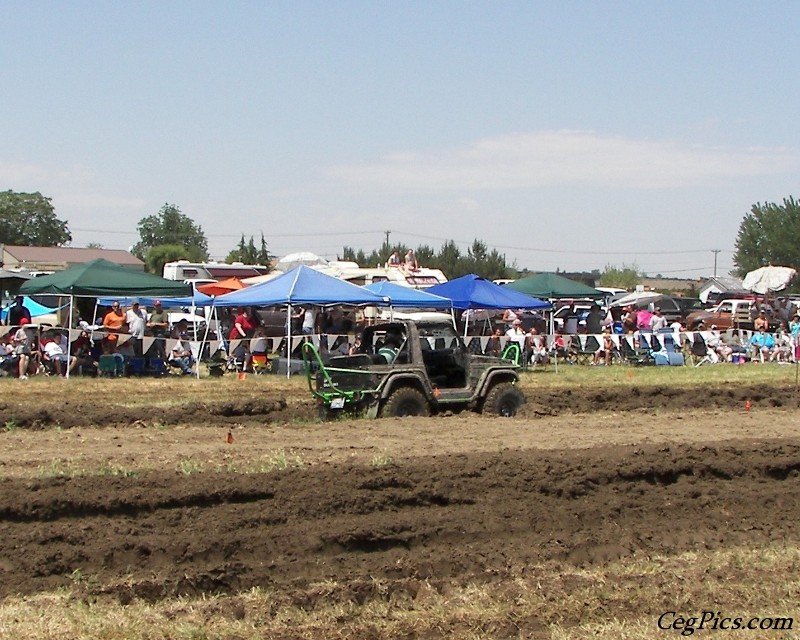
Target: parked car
[(675, 308)]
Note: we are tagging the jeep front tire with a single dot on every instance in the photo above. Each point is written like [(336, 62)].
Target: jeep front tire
[(405, 401), (503, 399)]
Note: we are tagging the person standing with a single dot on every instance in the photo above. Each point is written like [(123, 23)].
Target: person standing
[(242, 329), (17, 312), (158, 324), (794, 331), (657, 321), (113, 323), (309, 317), (594, 321), (136, 320), (23, 346)]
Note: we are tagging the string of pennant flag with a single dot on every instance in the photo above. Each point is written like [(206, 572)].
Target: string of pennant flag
[(324, 342)]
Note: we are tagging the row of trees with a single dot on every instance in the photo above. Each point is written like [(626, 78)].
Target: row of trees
[(769, 234), (478, 259)]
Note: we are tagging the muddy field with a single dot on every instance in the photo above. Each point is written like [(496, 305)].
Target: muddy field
[(165, 499)]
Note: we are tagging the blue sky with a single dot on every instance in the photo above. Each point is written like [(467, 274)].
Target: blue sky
[(569, 135)]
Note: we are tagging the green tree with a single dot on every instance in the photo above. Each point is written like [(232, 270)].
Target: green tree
[(29, 219), (263, 256), (449, 259), (171, 227), (626, 277), (480, 261), (769, 234), (247, 253), (159, 255), (426, 256)]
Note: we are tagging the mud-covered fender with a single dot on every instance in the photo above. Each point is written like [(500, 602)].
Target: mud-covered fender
[(494, 377), (404, 380)]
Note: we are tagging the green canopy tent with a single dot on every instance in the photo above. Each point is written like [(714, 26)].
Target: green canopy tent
[(102, 278), (553, 286)]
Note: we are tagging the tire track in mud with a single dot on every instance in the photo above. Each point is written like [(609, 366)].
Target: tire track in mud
[(272, 407), (450, 517)]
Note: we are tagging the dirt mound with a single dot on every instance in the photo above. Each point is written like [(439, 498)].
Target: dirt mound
[(460, 518), (270, 407)]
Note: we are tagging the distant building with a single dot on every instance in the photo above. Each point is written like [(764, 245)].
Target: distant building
[(721, 284), (50, 259)]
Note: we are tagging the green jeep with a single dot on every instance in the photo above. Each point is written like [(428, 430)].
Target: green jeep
[(407, 368)]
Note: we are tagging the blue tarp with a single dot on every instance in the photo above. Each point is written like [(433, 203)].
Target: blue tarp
[(34, 307), (473, 292), (301, 285), (400, 296)]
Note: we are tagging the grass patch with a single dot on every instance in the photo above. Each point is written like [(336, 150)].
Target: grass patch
[(277, 460), (382, 460), (189, 467), (619, 600), (71, 468)]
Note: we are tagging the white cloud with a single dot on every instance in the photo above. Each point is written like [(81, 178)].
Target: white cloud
[(14, 174), (96, 201), (548, 158), (71, 188)]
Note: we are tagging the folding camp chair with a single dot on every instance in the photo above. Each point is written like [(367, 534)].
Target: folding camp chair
[(110, 366), (260, 363), (700, 352)]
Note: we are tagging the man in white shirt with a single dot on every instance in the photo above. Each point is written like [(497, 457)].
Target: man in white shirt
[(657, 321), (137, 321)]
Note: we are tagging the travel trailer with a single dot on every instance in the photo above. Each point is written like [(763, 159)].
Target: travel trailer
[(208, 271), (420, 278)]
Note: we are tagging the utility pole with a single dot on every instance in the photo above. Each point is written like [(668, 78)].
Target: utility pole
[(387, 238), (715, 252)]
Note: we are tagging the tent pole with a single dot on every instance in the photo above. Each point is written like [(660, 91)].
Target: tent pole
[(69, 333), (205, 335), (288, 341)]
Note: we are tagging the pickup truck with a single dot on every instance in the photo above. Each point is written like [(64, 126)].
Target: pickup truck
[(728, 314)]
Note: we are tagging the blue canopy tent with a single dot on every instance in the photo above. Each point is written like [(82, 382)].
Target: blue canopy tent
[(301, 285), (473, 292), (400, 296)]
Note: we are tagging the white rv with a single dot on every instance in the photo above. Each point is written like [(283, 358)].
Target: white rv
[(183, 270), (421, 278)]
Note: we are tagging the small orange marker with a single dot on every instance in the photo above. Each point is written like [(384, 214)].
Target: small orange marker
[(748, 405), (229, 438), (629, 374)]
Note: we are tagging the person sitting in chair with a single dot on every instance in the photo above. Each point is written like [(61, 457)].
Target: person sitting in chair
[(181, 356), (55, 352)]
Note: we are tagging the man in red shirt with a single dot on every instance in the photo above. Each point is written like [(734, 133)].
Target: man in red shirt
[(242, 329)]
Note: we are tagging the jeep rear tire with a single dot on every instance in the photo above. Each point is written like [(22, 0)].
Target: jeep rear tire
[(503, 399), (405, 402)]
